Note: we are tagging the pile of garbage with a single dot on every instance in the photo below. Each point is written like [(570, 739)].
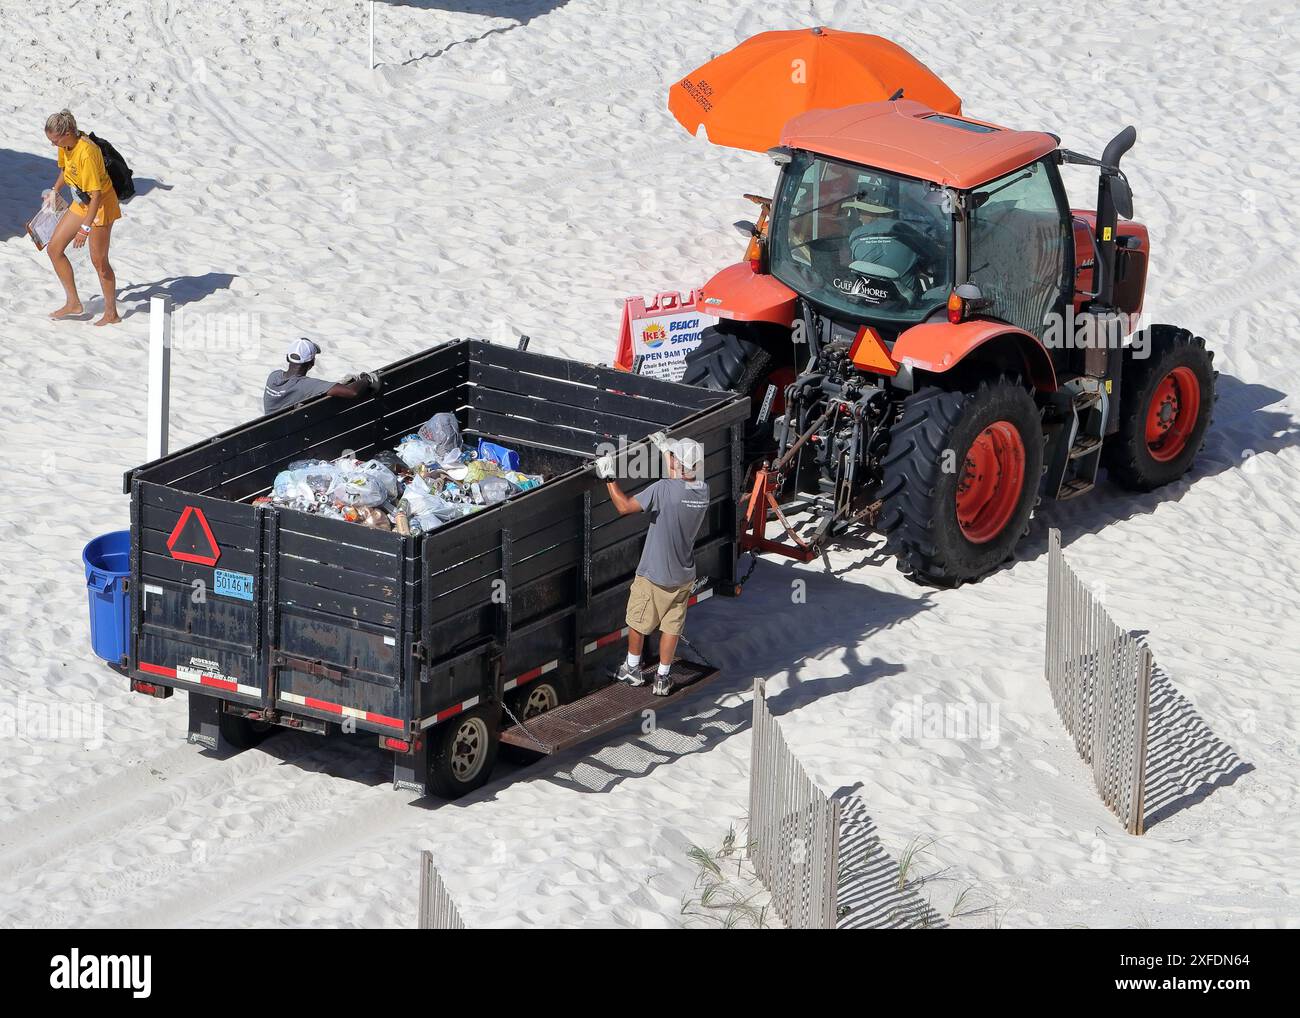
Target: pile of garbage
[(430, 479)]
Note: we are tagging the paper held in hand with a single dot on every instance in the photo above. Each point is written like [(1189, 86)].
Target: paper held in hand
[(41, 228)]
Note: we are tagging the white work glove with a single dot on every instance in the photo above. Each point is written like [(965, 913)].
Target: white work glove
[(605, 467), (659, 440)]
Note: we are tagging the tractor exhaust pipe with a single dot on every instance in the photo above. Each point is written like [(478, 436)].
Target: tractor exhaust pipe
[(1110, 187)]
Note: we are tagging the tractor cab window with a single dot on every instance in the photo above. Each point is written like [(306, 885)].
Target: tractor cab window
[(863, 242), (1017, 246)]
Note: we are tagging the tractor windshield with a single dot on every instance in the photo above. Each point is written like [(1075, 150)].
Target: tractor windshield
[(860, 241)]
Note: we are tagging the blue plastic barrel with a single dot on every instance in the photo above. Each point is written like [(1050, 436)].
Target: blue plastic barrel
[(108, 564)]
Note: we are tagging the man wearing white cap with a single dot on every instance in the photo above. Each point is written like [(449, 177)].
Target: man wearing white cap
[(288, 386), (677, 505)]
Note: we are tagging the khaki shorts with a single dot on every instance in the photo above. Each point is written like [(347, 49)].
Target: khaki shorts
[(651, 607)]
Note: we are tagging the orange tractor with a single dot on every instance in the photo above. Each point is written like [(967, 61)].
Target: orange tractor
[(933, 339)]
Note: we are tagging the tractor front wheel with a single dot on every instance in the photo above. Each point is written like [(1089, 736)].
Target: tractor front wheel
[(960, 480), (1166, 401)]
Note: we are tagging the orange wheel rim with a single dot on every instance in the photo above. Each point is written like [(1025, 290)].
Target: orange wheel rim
[(993, 476), (1172, 414)]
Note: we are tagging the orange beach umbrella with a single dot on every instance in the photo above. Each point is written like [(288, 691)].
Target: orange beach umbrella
[(744, 97)]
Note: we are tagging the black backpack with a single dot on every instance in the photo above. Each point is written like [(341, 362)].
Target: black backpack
[(118, 171)]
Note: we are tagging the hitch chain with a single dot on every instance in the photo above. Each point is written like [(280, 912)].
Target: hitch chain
[(511, 714)]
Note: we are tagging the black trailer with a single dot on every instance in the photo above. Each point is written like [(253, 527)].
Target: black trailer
[(269, 616)]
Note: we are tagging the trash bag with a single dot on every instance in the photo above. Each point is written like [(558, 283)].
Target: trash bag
[(416, 452), (303, 481), (319, 475), (426, 509), (358, 487), (492, 490), (442, 431), (391, 460), (384, 475)]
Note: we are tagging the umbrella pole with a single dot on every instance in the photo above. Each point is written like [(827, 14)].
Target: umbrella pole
[(372, 34)]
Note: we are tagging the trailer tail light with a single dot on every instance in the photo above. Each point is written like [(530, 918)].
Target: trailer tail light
[(956, 307), (147, 688), (398, 745)]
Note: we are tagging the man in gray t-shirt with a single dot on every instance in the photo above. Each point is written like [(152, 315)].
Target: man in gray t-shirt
[(677, 505), (289, 386)]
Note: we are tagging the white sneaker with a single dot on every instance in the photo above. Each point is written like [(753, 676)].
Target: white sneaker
[(663, 685), (632, 676)]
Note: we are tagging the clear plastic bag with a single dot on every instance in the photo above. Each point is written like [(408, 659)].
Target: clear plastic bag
[(442, 431), (358, 487), (416, 452), (492, 490)]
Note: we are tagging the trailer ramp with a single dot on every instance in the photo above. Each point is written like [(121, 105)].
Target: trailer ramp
[(603, 711)]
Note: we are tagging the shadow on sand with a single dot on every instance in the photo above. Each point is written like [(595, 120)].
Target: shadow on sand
[(1243, 426), (23, 176), (181, 290), (872, 891), (1186, 761), (521, 12)]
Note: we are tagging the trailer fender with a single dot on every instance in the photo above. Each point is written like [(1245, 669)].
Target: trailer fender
[(741, 294), (938, 347)]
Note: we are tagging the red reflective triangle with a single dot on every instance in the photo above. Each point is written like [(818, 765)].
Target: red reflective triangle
[(191, 548), (869, 352)]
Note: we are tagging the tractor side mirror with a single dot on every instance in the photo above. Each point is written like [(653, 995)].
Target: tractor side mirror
[(746, 227), (1122, 195), (973, 296)]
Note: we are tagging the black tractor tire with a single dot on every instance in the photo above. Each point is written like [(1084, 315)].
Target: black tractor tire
[(930, 445), (1130, 460), (244, 733), (727, 361), (529, 701), (730, 359), (463, 751)]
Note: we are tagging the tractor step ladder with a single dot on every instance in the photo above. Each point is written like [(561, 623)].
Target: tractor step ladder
[(1086, 430)]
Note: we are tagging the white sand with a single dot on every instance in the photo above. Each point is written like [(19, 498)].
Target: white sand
[(519, 177)]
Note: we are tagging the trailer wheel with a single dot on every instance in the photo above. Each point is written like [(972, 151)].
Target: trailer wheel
[(534, 699), (462, 752), (1166, 402), (960, 480)]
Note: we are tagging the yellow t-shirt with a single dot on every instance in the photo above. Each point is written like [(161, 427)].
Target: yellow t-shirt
[(83, 168)]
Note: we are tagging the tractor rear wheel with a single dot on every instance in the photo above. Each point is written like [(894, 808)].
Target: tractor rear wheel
[(1166, 402), (960, 480)]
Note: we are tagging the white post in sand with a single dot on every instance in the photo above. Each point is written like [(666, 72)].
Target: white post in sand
[(372, 34), (160, 376)]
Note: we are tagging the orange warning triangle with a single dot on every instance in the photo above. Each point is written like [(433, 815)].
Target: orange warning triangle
[(869, 352)]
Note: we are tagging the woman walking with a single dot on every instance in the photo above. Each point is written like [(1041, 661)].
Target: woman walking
[(90, 219)]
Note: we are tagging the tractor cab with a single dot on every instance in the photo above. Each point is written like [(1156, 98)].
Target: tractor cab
[(863, 244), (922, 273)]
